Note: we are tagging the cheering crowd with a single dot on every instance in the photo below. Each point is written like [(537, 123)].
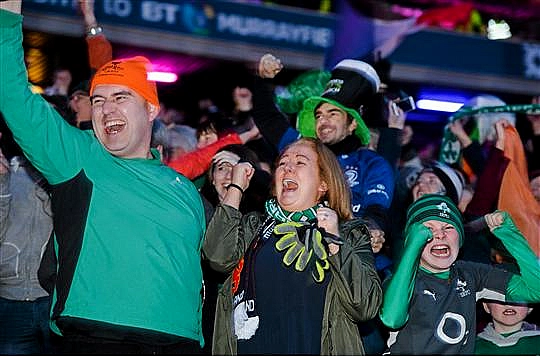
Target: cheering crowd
[(267, 231)]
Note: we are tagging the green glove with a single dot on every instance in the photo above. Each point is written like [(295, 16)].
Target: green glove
[(394, 311), (296, 250), (418, 234)]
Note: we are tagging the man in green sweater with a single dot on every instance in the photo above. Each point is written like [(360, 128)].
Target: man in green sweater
[(127, 229)]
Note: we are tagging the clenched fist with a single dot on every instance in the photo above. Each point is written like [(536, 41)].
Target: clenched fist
[(269, 66)]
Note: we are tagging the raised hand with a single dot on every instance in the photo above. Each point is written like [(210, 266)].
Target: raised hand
[(377, 239), (456, 127), (418, 234), (396, 116), (225, 156), (327, 218), (242, 174), (11, 5), (494, 220), (87, 9), (252, 134), (500, 126), (269, 66)]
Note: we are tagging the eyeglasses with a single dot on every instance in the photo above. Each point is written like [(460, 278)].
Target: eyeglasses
[(98, 101)]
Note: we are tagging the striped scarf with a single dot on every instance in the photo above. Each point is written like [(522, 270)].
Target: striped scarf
[(279, 214)]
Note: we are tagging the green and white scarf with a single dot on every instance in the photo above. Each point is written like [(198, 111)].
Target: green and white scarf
[(279, 214), (451, 148)]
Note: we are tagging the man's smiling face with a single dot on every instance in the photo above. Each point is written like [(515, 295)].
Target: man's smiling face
[(332, 124), (122, 120)]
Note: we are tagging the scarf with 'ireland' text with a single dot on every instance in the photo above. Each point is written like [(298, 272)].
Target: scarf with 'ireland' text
[(246, 319)]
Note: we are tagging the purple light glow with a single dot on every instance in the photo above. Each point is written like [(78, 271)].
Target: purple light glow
[(169, 62), (165, 77), (516, 10), (406, 11)]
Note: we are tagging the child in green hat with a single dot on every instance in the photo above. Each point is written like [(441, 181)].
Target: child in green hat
[(430, 302)]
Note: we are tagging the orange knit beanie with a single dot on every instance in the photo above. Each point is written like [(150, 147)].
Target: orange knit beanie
[(130, 72)]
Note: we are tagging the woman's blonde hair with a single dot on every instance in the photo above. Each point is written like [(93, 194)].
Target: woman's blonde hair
[(338, 194)]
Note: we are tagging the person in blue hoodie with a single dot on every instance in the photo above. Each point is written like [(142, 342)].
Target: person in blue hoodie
[(335, 118)]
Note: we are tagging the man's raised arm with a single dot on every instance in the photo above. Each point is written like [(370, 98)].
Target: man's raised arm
[(11, 5)]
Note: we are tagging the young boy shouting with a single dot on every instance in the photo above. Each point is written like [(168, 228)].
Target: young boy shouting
[(430, 302)]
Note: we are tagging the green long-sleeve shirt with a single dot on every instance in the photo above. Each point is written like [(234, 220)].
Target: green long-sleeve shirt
[(128, 232)]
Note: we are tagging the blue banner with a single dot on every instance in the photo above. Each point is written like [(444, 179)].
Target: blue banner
[(230, 21), (473, 54)]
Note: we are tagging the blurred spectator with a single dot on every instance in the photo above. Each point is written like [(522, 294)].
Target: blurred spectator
[(434, 178), (61, 82), (214, 190), (534, 180), (182, 140), (79, 104), (25, 227), (206, 134), (508, 333), (504, 184), (440, 179), (194, 163), (532, 145), (477, 134), (171, 116)]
